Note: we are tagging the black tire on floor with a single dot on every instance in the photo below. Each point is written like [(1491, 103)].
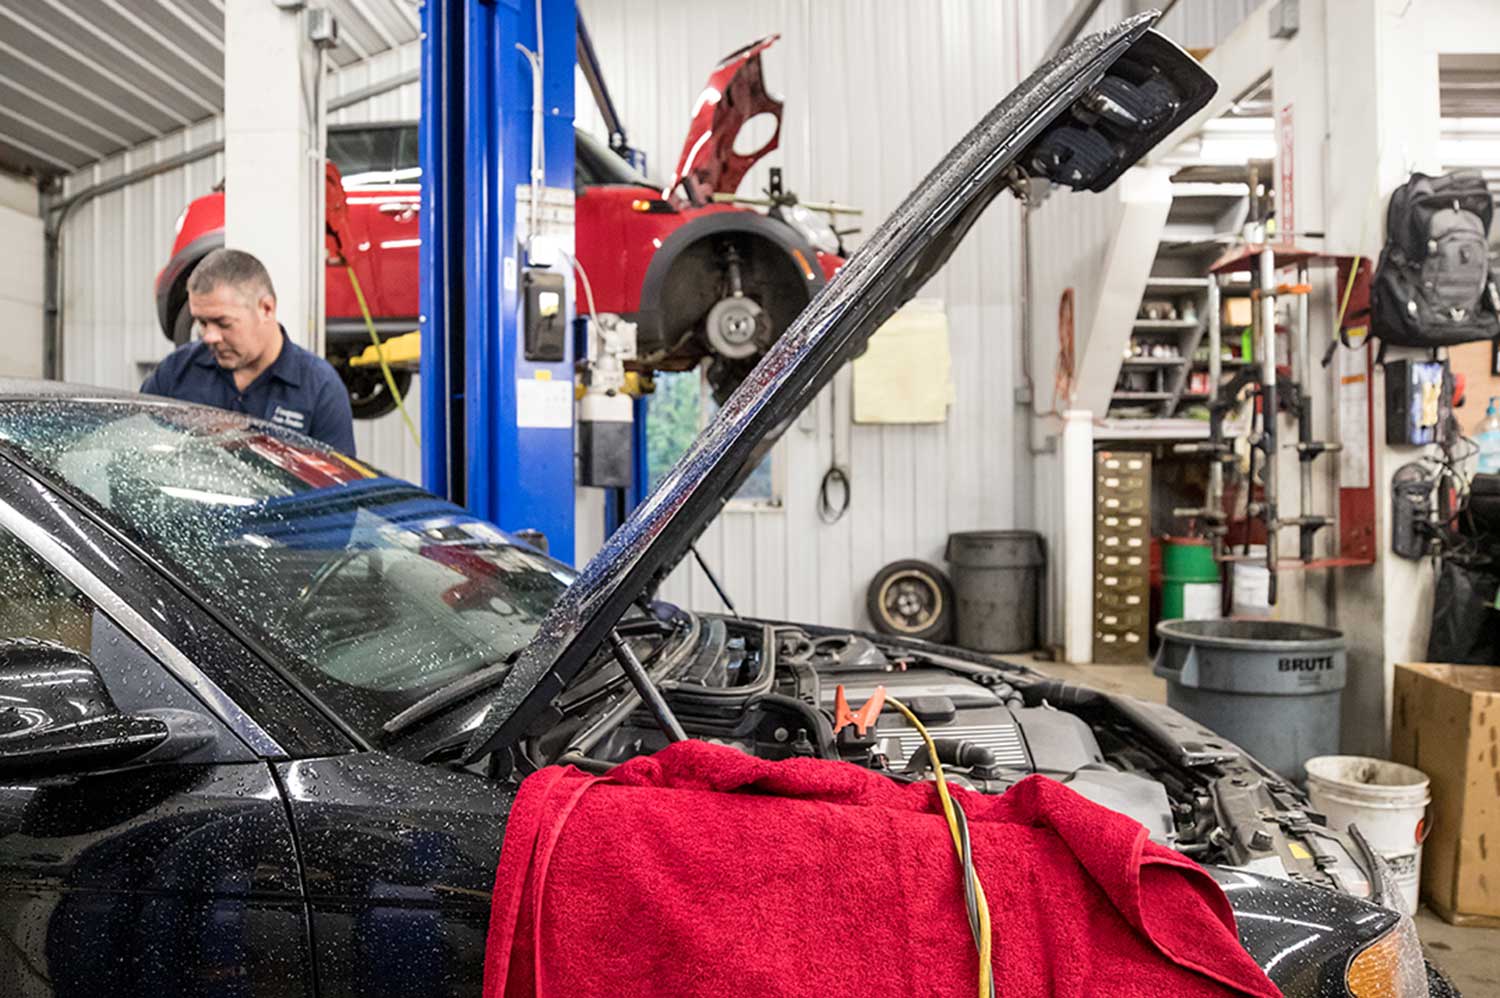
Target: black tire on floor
[(913, 599)]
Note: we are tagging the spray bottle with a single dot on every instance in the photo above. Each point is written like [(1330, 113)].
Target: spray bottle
[(1487, 436)]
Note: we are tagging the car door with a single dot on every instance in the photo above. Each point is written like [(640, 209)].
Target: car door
[(178, 878), (381, 175), (398, 230), (400, 859)]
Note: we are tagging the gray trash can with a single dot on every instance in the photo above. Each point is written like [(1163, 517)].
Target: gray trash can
[(997, 579), (1269, 686)]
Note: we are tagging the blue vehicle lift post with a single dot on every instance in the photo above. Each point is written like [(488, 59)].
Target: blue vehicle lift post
[(493, 438)]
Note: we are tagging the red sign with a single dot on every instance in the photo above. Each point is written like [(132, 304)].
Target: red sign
[(1286, 219)]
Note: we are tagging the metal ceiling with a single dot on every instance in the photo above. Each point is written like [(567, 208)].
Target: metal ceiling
[(83, 79)]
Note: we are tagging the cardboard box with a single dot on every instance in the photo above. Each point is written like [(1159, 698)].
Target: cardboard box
[(1238, 312), (1445, 721)]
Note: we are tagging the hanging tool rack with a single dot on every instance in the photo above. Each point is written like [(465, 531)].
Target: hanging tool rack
[(1273, 389)]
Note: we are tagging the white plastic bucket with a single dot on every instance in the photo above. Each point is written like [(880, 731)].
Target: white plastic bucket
[(1250, 589), (1388, 801), (1202, 601)]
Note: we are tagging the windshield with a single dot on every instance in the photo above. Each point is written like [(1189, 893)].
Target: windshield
[(370, 590), (596, 165)]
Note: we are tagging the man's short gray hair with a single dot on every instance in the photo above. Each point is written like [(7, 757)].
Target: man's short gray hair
[(236, 268)]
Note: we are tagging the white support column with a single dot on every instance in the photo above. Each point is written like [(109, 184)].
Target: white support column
[(272, 156), (22, 282), (1078, 540)]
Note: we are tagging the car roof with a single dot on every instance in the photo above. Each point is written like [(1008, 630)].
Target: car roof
[(36, 388), (41, 389)]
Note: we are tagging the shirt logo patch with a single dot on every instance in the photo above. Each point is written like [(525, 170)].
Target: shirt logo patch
[(289, 417)]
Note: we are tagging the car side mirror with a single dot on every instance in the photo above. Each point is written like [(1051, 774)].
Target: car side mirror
[(58, 719)]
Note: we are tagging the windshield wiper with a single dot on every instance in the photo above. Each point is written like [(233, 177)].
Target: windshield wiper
[(449, 694)]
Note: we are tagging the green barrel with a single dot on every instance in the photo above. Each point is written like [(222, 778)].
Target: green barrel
[(1190, 580)]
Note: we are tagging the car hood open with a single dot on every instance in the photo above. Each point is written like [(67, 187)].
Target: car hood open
[(735, 93), (1080, 120)]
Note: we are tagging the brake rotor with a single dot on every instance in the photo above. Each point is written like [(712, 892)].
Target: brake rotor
[(733, 326)]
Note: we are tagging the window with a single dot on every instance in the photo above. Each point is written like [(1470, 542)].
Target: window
[(37, 602), (408, 157), (364, 156), (595, 165), (677, 411)]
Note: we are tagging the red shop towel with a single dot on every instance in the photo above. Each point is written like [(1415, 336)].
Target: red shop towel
[(703, 871)]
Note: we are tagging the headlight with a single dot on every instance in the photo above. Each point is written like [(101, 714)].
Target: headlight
[(813, 226), (1390, 967)]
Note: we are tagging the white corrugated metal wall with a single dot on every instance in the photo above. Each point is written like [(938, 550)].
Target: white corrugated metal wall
[(876, 90)]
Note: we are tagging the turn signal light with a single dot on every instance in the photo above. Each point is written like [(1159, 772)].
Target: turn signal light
[(1390, 967), (652, 206)]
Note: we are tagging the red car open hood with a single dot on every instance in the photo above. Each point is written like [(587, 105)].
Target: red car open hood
[(735, 93)]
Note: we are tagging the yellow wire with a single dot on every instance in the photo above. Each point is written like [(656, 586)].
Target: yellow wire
[(948, 806), (385, 369)]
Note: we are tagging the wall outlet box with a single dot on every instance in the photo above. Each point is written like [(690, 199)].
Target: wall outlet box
[(322, 28), (1285, 19), (1418, 400)]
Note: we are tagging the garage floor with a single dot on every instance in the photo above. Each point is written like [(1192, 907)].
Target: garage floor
[(1470, 956)]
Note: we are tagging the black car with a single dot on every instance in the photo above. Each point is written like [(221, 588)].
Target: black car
[(263, 710)]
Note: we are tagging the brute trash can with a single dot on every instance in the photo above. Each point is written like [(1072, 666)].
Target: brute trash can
[(1270, 686), (997, 580)]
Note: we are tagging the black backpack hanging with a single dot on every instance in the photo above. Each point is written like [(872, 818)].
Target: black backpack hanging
[(1433, 286)]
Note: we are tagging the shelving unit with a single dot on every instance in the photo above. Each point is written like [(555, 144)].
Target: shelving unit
[(1200, 224)]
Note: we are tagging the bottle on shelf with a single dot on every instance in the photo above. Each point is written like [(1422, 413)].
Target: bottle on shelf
[(1487, 436)]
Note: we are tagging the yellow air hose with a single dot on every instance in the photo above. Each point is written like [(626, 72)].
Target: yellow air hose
[(385, 369), (982, 933)]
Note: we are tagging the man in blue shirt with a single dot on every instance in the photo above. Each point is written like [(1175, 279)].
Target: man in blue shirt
[(244, 361)]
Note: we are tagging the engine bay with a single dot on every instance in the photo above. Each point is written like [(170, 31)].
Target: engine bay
[(773, 690)]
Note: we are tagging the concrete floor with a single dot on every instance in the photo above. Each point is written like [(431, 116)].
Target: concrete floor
[(1470, 956)]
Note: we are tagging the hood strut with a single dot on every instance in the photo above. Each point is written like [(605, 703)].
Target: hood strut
[(649, 694), (713, 580)]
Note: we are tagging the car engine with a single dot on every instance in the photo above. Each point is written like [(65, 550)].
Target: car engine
[(773, 690)]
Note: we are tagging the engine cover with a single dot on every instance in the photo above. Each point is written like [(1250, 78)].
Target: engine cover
[(1023, 740)]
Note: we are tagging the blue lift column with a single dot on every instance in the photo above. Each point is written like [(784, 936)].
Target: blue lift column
[(497, 405)]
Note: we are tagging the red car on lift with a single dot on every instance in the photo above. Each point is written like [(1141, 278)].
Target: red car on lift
[(700, 278)]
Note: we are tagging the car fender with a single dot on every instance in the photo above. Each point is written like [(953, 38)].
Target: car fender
[(171, 283), (788, 239)]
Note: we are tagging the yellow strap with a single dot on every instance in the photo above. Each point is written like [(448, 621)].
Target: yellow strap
[(385, 369)]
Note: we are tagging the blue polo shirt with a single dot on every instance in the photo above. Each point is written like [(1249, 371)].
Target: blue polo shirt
[(299, 391)]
